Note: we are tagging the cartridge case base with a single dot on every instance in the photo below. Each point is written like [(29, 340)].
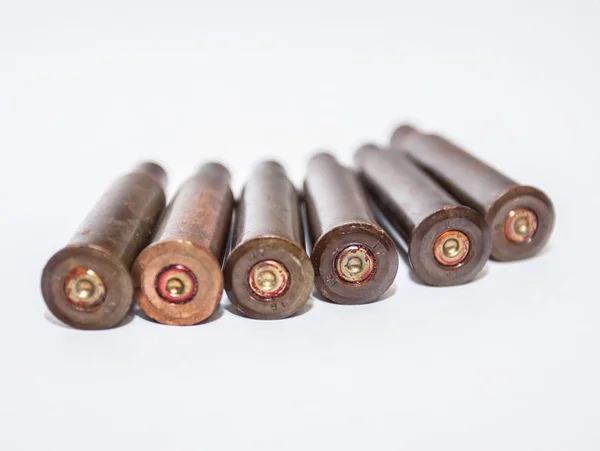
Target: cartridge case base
[(245, 257), (201, 266), (333, 285), (113, 277), (421, 246), (520, 197)]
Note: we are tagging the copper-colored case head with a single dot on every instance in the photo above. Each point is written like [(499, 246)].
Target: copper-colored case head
[(199, 261), (293, 296), (423, 213), (421, 246), (188, 248), (343, 230), (111, 271), (268, 229), (514, 198), (102, 251), (483, 188)]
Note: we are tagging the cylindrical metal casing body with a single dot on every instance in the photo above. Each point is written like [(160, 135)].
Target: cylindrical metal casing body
[(87, 284), (354, 260), (178, 275), (268, 274), (427, 217), (499, 199)]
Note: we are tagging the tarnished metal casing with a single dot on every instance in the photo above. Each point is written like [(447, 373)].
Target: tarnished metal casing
[(107, 242), (482, 188), (421, 211), (339, 217), (192, 234), (268, 227)]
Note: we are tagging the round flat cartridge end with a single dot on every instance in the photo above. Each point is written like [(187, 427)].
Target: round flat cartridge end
[(268, 277), (521, 222), (450, 247), (355, 263), (87, 288), (179, 283)]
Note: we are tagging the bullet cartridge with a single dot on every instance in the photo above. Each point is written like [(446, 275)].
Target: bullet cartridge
[(268, 274), (87, 284), (178, 275), (354, 260)]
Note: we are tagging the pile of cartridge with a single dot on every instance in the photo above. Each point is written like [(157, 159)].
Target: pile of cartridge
[(447, 211)]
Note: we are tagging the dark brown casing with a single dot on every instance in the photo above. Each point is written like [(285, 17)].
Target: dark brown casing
[(339, 216), (481, 187), (193, 233), (268, 226), (107, 242), (421, 211)]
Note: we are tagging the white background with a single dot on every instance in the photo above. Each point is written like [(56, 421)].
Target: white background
[(88, 89)]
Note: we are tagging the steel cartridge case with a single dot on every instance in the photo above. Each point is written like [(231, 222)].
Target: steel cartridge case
[(88, 284), (521, 218), (178, 276), (448, 243), (355, 261), (268, 274)]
